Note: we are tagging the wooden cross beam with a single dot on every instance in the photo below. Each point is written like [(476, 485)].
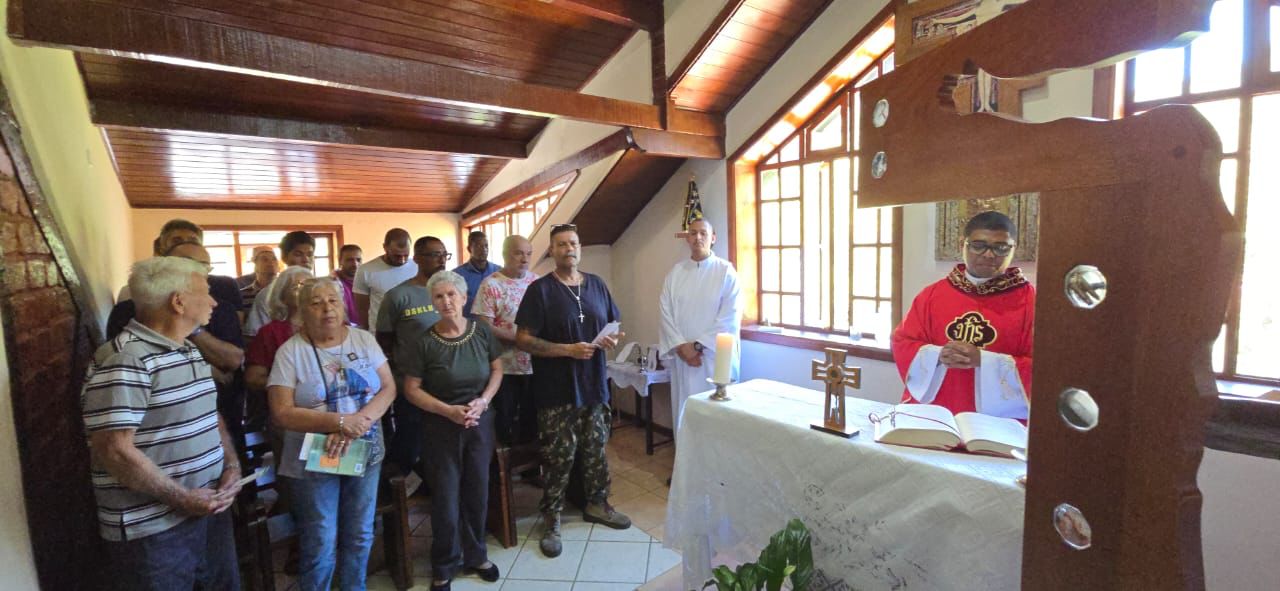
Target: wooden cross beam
[(169, 34), (1121, 196), (126, 115)]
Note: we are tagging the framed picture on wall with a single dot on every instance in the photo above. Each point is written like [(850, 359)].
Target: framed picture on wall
[(1022, 208)]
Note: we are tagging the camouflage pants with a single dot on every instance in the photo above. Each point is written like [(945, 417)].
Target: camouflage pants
[(563, 431)]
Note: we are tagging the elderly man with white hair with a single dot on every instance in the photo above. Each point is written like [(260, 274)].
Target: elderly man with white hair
[(163, 466)]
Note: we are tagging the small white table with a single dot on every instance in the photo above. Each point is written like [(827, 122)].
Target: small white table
[(881, 516), (631, 375)]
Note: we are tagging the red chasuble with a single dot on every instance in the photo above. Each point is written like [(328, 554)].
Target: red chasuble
[(997, 317)]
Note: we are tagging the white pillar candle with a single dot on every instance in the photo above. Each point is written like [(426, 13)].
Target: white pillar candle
[(724, 358)]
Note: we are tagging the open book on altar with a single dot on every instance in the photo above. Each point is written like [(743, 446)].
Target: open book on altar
[(934, 427)]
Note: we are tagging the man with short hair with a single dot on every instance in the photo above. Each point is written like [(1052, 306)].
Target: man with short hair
[(219, 340), (174, 232), (966, 343), (477, 268), (162, 461), (558, 321), (178, 231), (406, 314), (265, 267), (349, 258), (496, 304), (375, 278), (700, 298), (297, 248)]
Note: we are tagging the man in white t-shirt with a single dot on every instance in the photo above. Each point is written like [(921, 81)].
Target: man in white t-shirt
[(497, 302), (376, 277)]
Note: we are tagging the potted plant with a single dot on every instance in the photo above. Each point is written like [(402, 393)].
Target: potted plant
[(789, 555)]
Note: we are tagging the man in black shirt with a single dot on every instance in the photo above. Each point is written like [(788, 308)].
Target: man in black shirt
[(559, 317)]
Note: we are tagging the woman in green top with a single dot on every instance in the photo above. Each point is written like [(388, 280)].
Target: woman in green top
[(454, 375)]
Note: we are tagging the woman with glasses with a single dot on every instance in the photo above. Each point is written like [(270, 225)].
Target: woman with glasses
[(966, 342), (329, 387), (453, 373)]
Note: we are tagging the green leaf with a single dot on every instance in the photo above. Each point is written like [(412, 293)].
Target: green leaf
[(724, 579)]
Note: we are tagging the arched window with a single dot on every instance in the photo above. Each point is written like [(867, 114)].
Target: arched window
[(820, 265)]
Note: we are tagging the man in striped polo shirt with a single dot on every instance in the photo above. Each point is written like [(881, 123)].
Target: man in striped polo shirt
[(157, 443)]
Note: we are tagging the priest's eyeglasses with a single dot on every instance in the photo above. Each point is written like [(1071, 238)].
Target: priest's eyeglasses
[(980, 246)]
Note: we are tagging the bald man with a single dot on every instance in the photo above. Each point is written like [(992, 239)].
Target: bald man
[(497, 301)]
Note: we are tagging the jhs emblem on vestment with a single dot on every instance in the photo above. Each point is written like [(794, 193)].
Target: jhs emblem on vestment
[(972, 328)]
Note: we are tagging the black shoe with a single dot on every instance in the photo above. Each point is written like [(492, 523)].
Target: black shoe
[(444, 587), (489, 575)]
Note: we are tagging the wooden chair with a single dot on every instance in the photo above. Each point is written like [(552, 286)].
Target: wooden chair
[(507, 462), (279, 531)]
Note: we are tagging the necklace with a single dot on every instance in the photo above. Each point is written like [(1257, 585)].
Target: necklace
[(577, 297)]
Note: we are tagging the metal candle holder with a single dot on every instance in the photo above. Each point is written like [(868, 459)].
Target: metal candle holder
[(722, 392)]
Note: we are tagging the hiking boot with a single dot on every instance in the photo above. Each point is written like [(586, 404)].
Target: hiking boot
[(604, 514), (550, 544)]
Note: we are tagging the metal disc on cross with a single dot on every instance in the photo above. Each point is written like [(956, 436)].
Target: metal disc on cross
[(837, 376)]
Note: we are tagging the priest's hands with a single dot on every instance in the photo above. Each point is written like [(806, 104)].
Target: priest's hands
[(689, 355), (960, 355)]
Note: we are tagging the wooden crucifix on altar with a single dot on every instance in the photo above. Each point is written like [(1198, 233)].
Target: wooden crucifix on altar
[(837, 377)]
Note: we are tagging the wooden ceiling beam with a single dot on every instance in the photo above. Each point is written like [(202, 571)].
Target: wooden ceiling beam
[(611, 144), (677, 145), (636, 14), (121, 115), (158, 36)]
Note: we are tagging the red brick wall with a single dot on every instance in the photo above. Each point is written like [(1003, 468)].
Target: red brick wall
[(48, 350)]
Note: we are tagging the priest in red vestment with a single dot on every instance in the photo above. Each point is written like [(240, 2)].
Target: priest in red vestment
[(966, 343)]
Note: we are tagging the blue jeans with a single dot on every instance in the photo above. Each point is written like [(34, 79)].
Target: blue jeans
[(334, 515), (199, 551)]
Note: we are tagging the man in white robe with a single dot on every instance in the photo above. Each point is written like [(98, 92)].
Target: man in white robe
[(700, 298)]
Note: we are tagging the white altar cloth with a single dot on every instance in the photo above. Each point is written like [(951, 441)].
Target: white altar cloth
[(881, 516), (631, 375)]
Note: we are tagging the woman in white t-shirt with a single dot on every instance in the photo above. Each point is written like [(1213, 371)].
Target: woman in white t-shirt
[(331, 379)]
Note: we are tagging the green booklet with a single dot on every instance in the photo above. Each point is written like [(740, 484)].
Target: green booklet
[(351, 463)]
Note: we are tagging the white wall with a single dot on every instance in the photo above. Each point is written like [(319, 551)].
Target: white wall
[(18, 570)]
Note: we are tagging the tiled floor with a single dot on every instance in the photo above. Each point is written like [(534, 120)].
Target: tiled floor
[(595, 558)]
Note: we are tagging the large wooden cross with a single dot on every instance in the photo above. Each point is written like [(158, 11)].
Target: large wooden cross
[(837, 377), (1122, 196)]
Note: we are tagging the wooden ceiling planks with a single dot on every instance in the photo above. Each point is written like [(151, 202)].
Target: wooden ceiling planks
[(150, 108), (182, 169), (625, 191), (737, 49)]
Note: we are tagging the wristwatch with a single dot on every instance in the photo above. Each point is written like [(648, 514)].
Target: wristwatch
[(195, 333), (698, 346)]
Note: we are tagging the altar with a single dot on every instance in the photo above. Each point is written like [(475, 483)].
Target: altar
[(881, 516)]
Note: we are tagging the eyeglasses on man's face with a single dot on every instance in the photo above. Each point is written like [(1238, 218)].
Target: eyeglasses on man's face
[(1000, 249), (438, 255)]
